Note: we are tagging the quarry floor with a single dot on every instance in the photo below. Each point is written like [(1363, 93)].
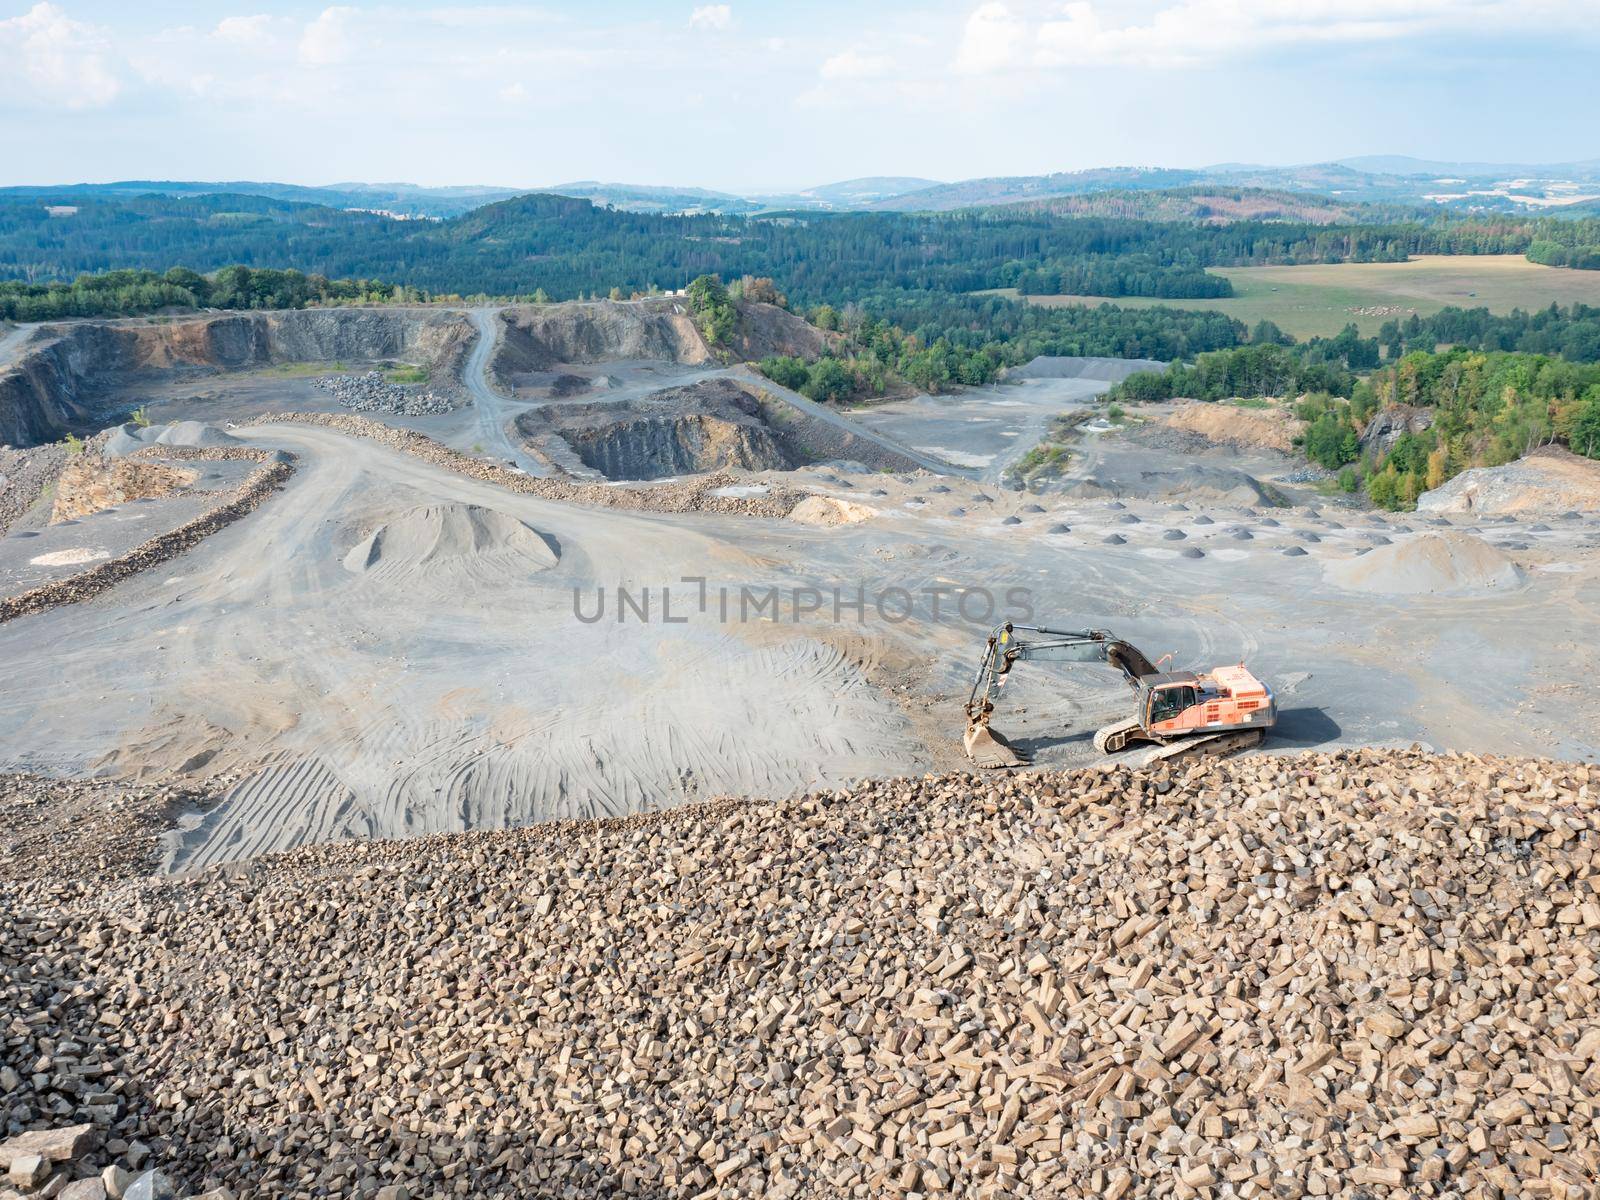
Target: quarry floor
[(479, 691)]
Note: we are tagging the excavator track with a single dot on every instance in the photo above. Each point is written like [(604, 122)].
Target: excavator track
[(1215, 745), (1116, 736)]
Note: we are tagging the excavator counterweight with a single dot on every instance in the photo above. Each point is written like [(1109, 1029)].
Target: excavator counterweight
[(1184, 714)]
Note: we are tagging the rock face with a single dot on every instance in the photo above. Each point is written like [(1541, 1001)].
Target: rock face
[(712, 425), (1388, 425), (653, 447), (1357, 973), (537, 338), (65, 370)]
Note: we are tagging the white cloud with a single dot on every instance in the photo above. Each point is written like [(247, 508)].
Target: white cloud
[(711, 16), (244, 31), (326, 40), (999, 37), (852, 64), (61, 61), (514, 93), (991, 41)]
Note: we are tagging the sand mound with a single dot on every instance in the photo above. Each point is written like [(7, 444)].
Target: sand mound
[(1268, 428), (1428, 563), (1548, 480), (829, 511), (195, 433), (450, 546), (126, 439)]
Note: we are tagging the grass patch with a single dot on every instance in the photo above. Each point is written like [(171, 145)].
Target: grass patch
[(1250, 402), (405, 373), (304, 370), (1043, 457), (1321, 299)]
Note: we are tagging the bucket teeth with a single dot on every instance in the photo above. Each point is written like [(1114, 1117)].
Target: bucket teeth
[(989, 750)]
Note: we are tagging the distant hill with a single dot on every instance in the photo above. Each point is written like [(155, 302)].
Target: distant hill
[(852, 192), (402, 199), (1400, 164), (635, 197), (1011, 189), (1389, 180), (1215, 205), (1403, 182)]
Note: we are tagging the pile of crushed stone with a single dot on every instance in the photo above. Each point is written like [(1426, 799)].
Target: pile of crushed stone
[(1358, 973), (829, 511), (130, 438), (371, 392), (1549, 480), (1446, 563)]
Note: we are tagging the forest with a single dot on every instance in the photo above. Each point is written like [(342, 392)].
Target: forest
[(127, 293), (568, 248), (935, 341), (1493, 387)]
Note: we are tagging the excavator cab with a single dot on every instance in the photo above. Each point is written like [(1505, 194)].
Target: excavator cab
[(1170, 701), (1165, 698)]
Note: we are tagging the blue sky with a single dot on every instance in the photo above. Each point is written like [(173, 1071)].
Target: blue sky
[(746, 95)]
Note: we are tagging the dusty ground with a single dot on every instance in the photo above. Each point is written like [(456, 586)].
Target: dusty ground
[(466, 684)]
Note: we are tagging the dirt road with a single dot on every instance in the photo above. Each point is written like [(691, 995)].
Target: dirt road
[(12, 338), (494, 411)]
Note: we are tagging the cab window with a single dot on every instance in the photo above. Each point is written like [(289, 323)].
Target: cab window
[(1169, 702)]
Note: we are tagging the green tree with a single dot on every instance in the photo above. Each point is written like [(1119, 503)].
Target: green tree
[(785, 371), (827, 381), (713, 310)]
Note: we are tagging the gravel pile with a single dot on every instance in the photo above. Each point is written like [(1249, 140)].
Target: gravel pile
[(1310, 474), (1354, 974), (24, 474), (371, 393), (695, 495)]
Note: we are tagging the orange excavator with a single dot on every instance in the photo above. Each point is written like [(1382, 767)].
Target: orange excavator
[(1184, 714)]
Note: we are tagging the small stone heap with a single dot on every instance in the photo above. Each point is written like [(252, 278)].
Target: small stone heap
[(1357, 974), (70, 1163), (371, 393)]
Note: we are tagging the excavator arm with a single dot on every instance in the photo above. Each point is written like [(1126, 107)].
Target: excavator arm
[(1005, 648)]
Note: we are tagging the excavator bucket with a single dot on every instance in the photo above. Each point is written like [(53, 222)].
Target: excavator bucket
[(988, 749)]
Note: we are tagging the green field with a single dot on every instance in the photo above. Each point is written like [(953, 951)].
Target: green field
[(1323, 299)]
